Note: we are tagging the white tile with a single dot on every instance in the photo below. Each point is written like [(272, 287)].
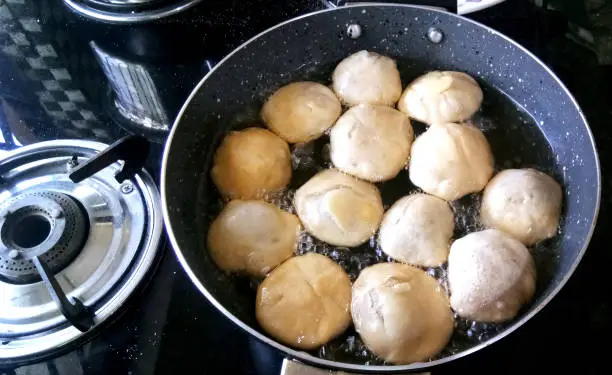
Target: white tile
[(61, 74), (30, 24), (46, 50), (75, 95), (20, 39)]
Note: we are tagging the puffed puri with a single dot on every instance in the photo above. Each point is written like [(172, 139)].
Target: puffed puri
[(451, 161), (252, 237), (440, 97), (251, 164), (401, 313), (371, 142), (490, 275), (417, 229), (367, 78), (305, 302), (525, 203), (339, 209), (301, 111)]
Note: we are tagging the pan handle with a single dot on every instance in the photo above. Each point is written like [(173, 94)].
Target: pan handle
[(291, 367)]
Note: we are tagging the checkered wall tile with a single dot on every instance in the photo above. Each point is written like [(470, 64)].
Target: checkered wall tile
[(24, 39)]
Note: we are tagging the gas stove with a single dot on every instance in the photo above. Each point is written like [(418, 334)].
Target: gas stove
[(92, 286)]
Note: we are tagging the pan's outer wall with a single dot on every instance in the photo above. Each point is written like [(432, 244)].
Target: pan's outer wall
[(295, 50)]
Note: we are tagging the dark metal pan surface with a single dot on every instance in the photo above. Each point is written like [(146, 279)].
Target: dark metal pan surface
[(528, 116)]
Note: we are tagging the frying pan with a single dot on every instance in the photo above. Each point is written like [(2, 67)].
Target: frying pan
[(528, 116)]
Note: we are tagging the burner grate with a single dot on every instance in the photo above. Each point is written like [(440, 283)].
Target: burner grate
[(49, 225), (82, 218)]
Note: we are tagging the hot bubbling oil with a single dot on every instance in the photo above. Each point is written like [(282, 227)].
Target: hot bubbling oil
[(348, 347), (515, 141)]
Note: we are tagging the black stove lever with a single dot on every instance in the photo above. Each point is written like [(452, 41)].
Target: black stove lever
[(77, 314), (132, 149)]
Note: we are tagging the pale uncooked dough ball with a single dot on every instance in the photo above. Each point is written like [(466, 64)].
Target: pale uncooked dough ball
[(305, 301), (524, 203), (417, 229), (401, 313), (491, 276), (301, 111), (339, 209), (251, 163), (252, 237), (441, 97), (451, 160), (372, 142), (367, 77)]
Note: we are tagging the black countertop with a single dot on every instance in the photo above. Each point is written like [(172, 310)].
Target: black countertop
[(53, 86)]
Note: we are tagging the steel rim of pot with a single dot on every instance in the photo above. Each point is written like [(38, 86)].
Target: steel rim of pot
[(144, 16)]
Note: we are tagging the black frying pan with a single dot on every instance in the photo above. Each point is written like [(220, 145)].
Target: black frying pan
[(528, 116)]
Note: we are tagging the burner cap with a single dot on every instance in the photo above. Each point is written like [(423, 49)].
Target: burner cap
[(71, 253), (46, 224)]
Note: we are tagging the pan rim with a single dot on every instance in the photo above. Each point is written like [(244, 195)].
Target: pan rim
[(325, 363)]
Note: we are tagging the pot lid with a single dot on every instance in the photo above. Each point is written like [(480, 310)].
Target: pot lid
[(71, 252)]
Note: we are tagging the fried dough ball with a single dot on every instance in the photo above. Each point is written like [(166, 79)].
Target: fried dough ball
[(417, 229), (301, 111), (401, 313), (491, 276), (251, 163), (367, 78), (252, 237), (339, 209), (440, 97), (371, 142), (305, 302), (524, 203), (451, 160)]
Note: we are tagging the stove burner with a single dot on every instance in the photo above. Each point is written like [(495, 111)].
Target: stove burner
[(49, 225), (79, 231)]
